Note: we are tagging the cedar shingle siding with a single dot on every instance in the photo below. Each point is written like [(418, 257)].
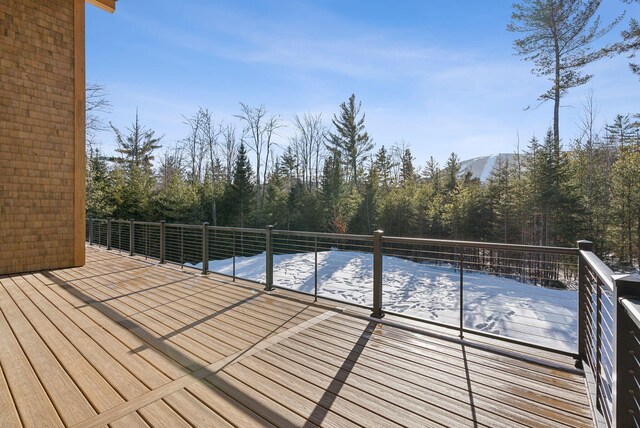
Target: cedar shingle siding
[(37, 144)]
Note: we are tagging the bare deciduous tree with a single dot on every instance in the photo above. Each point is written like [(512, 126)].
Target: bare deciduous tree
[(194, 146), (260, 130), (210, 133), (96, 104), (308, 145), (170, 164), (229, 149)]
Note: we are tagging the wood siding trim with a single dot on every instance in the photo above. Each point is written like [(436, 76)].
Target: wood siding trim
[(108, 5), (79, 132)]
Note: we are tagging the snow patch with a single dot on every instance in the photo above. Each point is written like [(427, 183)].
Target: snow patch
[(492, 304)]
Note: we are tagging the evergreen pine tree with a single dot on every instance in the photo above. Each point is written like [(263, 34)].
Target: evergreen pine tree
[(452, 169), (407, 172), (500, 195), (626, 206), (365, 219), (99, 199), (137, 147), (332, 192), (350, 140), (622, 131), (433, 175), (555, 199), (241, 195), (558, 39), (383, 165)]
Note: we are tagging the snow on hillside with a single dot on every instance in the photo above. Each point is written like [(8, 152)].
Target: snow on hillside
[(492, 304), (481, 167)]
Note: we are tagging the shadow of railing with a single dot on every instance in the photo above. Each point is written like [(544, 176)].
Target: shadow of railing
[(198, 370), (330, 394)]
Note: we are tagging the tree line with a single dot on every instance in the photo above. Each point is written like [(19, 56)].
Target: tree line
[(330, 178)]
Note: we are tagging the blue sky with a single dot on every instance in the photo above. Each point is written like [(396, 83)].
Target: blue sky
[(438, 74)]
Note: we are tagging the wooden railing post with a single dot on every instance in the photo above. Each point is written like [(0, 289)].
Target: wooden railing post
[(132, 237), (583, 300), (163, 242), (269, 257), (205, 248), (377, 274), (108, 234), (624, 372), (90, 231)]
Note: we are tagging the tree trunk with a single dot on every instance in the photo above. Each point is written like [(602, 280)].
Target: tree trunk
[(214, 213), (556, 91)]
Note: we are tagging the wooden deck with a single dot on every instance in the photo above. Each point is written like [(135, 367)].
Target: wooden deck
[(123, 342)]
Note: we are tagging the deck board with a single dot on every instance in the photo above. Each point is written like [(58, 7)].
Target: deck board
[(445, 355), (8, 413), (132, 420), (194, 411), (442, 382), (30, 398), (159, 413), (84, 328), (223, 404), (126, 342), (71, 405)]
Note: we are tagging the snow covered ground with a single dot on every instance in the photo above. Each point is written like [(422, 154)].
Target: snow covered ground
[(492, 304)]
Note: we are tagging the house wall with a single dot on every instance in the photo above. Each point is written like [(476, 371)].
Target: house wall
[(41, 134)]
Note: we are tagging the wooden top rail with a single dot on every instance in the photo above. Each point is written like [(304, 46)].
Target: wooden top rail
[(385, 239), (632, 306), (146, 223), (342, 236), (238, 229), (477, 244), (602, 271), (184, 226)]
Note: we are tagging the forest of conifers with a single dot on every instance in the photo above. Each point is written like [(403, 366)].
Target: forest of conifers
[(331, 178)]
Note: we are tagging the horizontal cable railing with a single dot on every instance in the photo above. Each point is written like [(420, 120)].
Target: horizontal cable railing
[(519, 293), (183, 245), (238, 253), (120, 235), (608, 344), (523, 294), (312, 263)]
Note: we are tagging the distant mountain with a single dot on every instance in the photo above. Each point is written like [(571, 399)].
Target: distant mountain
[(482, 166)]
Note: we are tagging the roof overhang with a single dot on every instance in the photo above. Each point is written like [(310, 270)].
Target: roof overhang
[(108, 5)]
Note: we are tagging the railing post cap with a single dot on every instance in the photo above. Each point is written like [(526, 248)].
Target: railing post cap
[(378, 232), (626, 277), (270, 226), (585, 245), (206, 223), (162, 221)]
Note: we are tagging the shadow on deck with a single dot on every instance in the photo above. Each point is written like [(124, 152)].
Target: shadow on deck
[(123, 342)]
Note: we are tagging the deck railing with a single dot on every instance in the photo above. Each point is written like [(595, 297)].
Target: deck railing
[(606, 307), (452, 278), (609, 339)]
